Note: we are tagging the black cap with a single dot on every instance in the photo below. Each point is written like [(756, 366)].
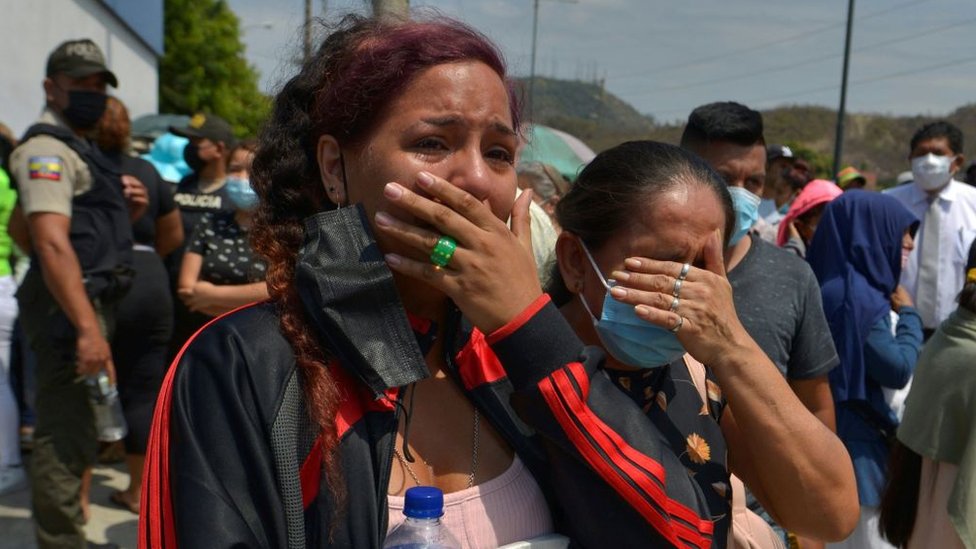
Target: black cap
[(78, 59), (207, 126), (778, 151)]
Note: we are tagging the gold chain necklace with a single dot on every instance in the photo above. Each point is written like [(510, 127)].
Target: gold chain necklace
[(474, 456)]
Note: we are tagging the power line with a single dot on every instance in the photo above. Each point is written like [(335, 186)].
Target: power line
[(796, 64), (762, 45), (834, 87), (889, 76), (724, 79)]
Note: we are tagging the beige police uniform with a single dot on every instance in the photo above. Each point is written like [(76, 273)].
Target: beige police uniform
[(48, 173)]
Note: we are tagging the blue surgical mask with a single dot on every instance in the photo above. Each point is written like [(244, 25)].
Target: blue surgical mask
[(746, 207), (241, 194), (628, 338)]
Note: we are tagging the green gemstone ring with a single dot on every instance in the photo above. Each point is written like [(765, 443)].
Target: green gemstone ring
[(443, 251)]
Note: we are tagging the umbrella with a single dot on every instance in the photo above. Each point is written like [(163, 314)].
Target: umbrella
[(563, 151), (152, 126), (166, 155)]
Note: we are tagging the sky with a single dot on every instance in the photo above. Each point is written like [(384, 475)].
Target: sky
[(667, 57)]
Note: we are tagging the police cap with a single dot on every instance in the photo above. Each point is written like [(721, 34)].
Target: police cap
[(78, 59)]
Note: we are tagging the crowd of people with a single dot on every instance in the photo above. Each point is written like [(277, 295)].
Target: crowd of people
[(702, 341), (107, 266)]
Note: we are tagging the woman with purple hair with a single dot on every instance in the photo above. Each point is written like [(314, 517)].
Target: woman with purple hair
[(406, 340)]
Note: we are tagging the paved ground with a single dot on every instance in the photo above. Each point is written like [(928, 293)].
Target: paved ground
[(108, 522)]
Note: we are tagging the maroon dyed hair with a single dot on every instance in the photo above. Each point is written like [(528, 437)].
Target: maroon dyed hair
[(381, 65), (343, 90)]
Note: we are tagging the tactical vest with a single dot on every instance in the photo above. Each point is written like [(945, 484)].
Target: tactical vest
[(100, 233)]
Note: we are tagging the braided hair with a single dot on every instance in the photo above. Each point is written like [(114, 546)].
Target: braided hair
[(342, 90)]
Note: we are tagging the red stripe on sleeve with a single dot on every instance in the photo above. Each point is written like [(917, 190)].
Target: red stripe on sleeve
[(558, 384), (593, 424), (157, 529), (517, 322), (659, 522)]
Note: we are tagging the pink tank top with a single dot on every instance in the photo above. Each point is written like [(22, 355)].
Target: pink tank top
[(506, 509)]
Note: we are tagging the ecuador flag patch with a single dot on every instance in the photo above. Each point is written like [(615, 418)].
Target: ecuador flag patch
[(45, 167)]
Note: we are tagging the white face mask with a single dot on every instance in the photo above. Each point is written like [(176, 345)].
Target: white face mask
[(931, 172)]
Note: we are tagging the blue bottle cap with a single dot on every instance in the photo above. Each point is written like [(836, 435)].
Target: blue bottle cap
[(424, 502)]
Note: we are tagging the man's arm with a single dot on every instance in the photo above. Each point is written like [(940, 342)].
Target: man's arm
[(169, 232), (62, 275), (815, 395)]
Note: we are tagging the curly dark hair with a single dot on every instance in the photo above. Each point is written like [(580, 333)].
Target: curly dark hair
[(342, 90)]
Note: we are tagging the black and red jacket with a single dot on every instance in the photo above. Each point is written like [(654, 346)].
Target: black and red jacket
[(234, 459)]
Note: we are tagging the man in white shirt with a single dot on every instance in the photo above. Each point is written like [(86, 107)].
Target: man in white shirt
[(933, 274)]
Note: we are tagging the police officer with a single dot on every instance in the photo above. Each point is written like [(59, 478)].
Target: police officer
[(78, 213), (202, 191), (199, 193)]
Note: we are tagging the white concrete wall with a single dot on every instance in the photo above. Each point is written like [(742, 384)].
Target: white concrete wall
[(31, 29)]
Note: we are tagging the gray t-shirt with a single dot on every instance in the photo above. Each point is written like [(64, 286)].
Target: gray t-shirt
[(778, 300)]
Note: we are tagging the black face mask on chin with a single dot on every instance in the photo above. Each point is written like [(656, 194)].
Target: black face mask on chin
[(348, 292), (84, 108)]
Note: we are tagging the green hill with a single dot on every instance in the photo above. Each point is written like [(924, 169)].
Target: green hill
[(585, 110), (872, 142)]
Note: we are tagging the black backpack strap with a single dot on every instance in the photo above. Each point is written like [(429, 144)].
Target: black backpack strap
[(58, 132)]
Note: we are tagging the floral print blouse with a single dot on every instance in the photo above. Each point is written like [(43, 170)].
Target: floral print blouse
[(691, 427)]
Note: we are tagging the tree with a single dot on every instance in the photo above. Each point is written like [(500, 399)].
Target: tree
[(204, 69)]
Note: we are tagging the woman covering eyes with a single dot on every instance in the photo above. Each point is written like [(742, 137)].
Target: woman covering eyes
[(406, 340), (640, 275)]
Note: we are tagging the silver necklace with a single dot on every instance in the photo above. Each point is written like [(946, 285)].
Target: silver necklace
[(474, 456)]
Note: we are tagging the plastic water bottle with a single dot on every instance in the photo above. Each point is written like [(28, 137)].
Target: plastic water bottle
[(422, 529), (109, 422)]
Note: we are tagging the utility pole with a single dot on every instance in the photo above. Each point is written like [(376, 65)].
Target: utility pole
[(535, 33), (839, 139), (395, 8)]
